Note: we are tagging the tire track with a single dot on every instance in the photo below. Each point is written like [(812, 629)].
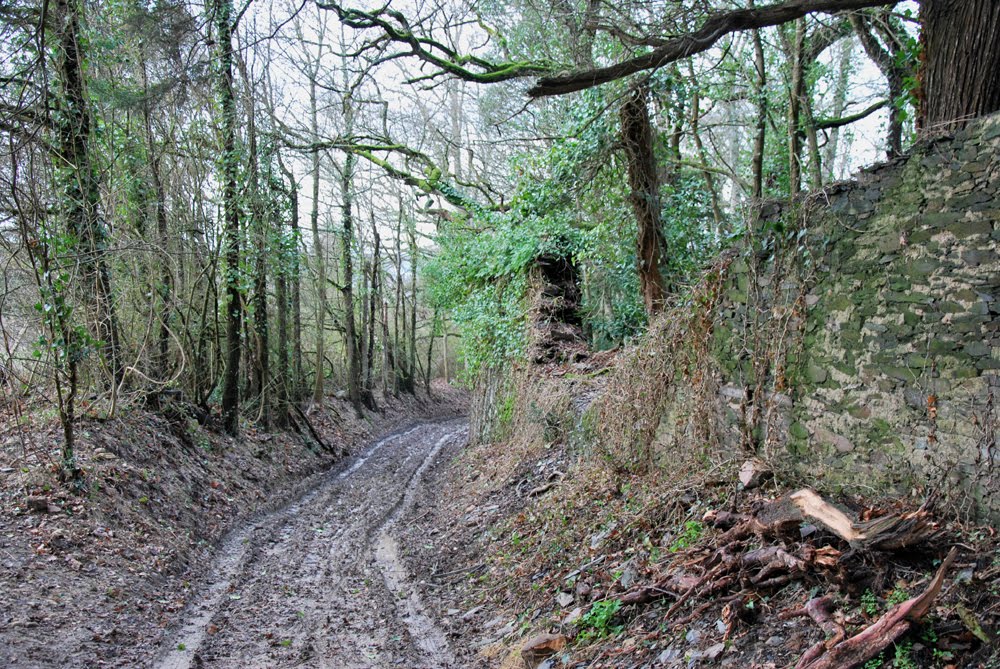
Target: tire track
[(319, 582)]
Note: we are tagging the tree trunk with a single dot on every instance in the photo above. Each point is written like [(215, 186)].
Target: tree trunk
[(399, 313), (961, 61), (165, 289), (386, 348), (839, 104), (281, 276), (347, 290), (373, 301), (414, 251), (260, 317), (319, 255), (297, 391), (888, 63), (444, 345), (231, 223), (794, 51), (717, 215), (81, 188), (430, 352), (812, 141), (637, 137), (760, 95), (364, 299)]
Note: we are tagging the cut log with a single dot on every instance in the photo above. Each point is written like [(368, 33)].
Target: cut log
[(882, 633)]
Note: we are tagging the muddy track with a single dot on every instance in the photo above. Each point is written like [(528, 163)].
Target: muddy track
[(319, 583)]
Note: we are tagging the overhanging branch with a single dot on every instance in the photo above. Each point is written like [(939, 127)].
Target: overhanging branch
[(396, 27), (830, 123), (714, 29)]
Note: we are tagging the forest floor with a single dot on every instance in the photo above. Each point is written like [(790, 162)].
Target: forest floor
[(420, 551), (188, 547)]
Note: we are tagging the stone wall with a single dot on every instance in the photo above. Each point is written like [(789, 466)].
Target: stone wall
[(857, 335)]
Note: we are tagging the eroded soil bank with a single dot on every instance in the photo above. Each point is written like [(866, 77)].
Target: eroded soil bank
[(541, 542)]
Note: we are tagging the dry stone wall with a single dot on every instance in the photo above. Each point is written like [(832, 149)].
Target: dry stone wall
[(857, 338)]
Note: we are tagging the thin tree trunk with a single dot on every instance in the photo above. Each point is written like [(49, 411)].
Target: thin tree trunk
[(387, 358), (372, 307), (414, 251), (760, 99), (260, 316), (444, 345), (281, 275), (815, 161), (319, 255), (794, 50), (430, 352), (839, 106), (363, 322), (717, 215), (403, 377), (165, 289)]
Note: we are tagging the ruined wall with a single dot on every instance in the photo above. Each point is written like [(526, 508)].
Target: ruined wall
[(857, 335)]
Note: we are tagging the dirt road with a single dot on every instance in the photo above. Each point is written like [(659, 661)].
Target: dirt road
[(320, 582)]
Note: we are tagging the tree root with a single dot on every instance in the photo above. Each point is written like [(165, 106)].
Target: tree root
[(878, 636)]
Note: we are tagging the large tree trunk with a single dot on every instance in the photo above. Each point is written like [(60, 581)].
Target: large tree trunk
[(637, 137), (231, 224), (961, 61)]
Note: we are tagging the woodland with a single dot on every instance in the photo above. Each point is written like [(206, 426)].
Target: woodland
[(294, 218), (248, 205)]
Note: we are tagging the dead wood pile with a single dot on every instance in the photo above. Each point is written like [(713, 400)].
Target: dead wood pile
[(801, 537)]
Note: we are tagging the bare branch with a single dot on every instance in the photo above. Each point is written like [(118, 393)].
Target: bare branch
[(397, 28), (830, 123), (714, 29)]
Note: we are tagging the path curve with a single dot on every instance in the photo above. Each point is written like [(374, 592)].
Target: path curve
[(320, 583)]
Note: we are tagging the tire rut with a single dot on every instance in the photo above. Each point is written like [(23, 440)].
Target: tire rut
[(319, 583)]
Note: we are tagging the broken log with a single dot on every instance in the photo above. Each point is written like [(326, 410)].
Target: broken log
[(888, 533), (785, 515), (882, 633)]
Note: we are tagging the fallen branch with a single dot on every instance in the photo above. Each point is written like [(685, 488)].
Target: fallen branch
[(315, 435)]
